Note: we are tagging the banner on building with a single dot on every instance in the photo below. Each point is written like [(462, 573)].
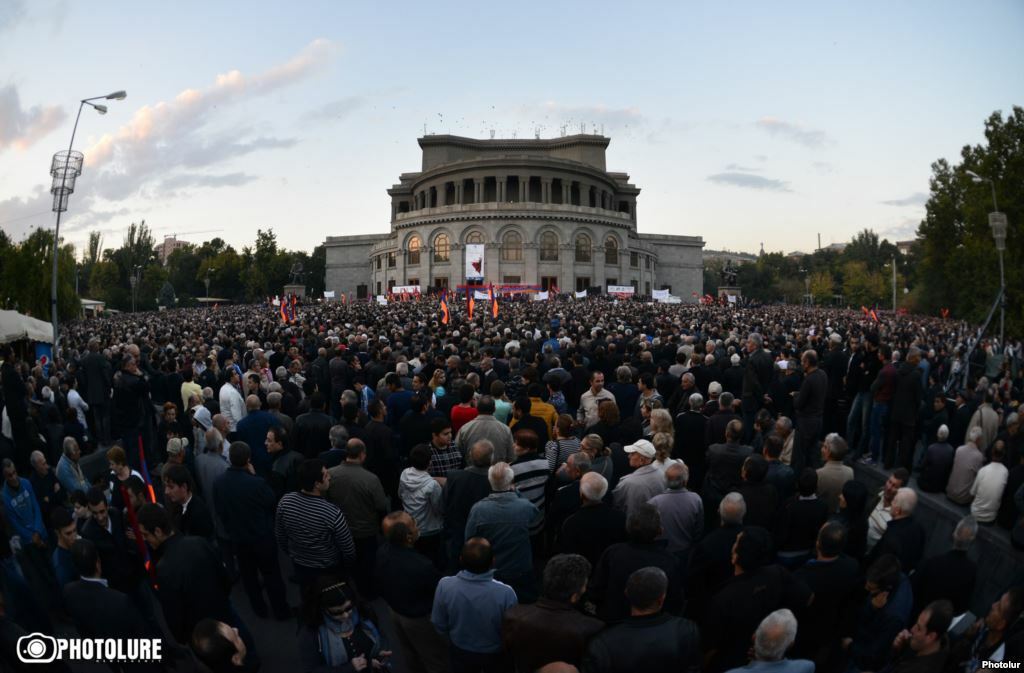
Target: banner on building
[(621, 290), (474, 261), (328, 294), (481, 294), (659, 294), (582, 294), (406, 289), (540, 296)]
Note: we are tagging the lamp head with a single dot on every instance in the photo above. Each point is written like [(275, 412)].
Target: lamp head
[(117, 95), (102, 109), (974, 176)]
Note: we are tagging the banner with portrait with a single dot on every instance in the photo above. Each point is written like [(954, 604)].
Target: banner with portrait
[(474, 261)]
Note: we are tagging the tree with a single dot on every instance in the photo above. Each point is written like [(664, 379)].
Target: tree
[(26, 276), (959, 267), (167, 297), (822, 287), (860, 286)]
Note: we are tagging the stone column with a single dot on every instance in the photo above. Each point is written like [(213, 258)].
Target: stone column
[(566, 192), (458, 193), (478, 190), (499, 191), (566, 277), (545, 190), (524, 188)]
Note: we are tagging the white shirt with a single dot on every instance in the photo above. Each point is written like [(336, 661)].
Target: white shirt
[(78, 404), (878, 521), (232, 406), (988, 491)]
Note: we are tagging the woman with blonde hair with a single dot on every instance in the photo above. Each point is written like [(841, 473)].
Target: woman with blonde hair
[(663, 443)]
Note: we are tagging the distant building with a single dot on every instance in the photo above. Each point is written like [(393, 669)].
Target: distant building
[(905, 246), (836, 247), (170, 244), (520, 213), (736, 258)]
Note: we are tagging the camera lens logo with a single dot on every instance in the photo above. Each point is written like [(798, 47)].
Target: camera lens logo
[(37, 648)]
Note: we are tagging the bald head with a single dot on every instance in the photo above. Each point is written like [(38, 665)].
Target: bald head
[(252, 403), (399, 528), (480, 453)]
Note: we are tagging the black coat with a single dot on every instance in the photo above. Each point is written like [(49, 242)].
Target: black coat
[(608, 586), (591, 531), (101, 612), (119, 558), (724, 462), (798, 524), (691, 439), (463, 489), (716, 426), (657, 643), (193, 584), (836, 586), (197, 519), (312, 433), (406, 579), (949, 576), (245, 505), (906, 399), (905, 538), (95, 377), (762, 502)]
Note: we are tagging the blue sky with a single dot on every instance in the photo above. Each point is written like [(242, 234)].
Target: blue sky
[(741, 122)]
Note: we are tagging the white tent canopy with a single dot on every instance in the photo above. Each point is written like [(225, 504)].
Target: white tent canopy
[(15, 326)]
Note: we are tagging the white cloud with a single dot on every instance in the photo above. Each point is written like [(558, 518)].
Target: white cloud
[(794, 132), (21, 128), (749, 181), (915, 199)]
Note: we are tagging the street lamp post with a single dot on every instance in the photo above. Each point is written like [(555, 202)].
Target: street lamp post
[(64, 169), (997, 221), (807, 286), (208, 272), (134, 280)]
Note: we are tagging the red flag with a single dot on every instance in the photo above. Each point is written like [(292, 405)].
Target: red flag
[(470, 303), (284, 313), (945, 313), (445, 314), (874, 316), (493, 299), (867, 313)]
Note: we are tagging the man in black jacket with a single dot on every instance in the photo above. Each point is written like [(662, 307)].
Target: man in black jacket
[(312, 429), (106, 529), (245, 505), (950, 576), (96, 376), (757, 377), (407, 581), (463, 489), (690, 439), (97, 610), (189, 514), (648, 640), (596, 525), (192, 581), (132, 410), (809, 406), (906, 403), (724, 462)]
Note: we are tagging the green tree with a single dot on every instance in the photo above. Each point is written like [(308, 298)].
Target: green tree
[(860, 286), (166, 297), (822, 287), (26, 276)]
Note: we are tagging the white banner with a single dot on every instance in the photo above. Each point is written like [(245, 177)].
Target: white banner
[(659, 294), (582, 294), (540, 296), (670, 300), (408, 289), (381, 299), (474, 261), (620, 289), (276, 302), (732, 299), (328, 294), (480, 294)]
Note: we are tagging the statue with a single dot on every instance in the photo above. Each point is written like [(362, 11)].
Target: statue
[(728, 275), (296, 273)]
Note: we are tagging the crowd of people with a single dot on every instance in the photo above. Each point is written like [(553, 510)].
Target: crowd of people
[(574, 485)]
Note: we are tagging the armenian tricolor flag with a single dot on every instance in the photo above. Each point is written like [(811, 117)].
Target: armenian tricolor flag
[(493, 298), (470, 304), (445, 313)]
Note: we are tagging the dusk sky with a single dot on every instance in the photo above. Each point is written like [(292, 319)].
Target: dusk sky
[(741, 122)]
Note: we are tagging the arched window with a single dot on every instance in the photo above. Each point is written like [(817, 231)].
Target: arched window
[(442, 248), (413, 257), (549, 247), (474, 237), (582, 248), (611, 250), (512, 247)]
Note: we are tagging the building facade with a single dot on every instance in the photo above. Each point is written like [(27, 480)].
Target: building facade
[(548, 213)]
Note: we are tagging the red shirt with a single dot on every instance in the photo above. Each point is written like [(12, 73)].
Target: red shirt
[(460, 416)]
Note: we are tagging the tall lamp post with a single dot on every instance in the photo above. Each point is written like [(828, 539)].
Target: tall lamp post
[(807, 286), (208, 272), (893, 262), (134, 280), (64, 169), (997, 221)]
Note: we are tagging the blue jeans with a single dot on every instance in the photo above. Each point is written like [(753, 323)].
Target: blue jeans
[(857, 423), (879, 416)]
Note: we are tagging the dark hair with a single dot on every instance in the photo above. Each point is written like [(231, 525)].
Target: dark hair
[(523, 404), (773, 446), (78, 497), (940, 615), (310, 473), (239, 454), (647, 379), (419, 457), (807, 482), (902, 474), (417, 403), (644, 523), (316, 401), (374, 408), (95, 496), (646, 587), (753, 548), (60, 518), (154, 516), (280, 434), (884, 572), (477, 555), (210, 645), (535, 390), (84, 556), (466, 392), (565, 575), (134, 484), (528, 440), (832, 539), (756, 467), (178, 475), (439, 425)]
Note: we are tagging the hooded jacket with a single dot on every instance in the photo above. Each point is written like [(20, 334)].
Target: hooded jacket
[(421, 498)]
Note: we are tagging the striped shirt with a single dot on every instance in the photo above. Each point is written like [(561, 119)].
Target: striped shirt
[(312, 531), (531, 478), (559, 450)]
